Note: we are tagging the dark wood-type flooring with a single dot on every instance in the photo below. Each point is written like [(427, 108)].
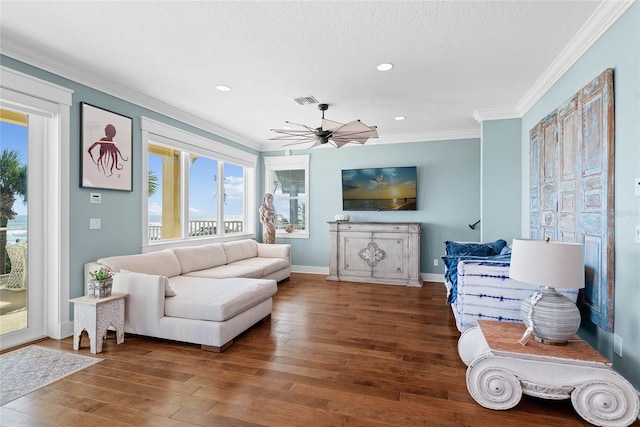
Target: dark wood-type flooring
[(332, 354)]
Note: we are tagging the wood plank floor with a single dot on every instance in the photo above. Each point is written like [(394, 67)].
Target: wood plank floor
[(333, 354)]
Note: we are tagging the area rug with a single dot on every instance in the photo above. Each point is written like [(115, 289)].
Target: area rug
[(29, 368)]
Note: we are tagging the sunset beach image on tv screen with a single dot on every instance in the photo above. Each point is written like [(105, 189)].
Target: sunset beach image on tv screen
[(379, 189)]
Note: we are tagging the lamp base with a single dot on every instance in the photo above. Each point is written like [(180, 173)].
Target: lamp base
[(553, 317)]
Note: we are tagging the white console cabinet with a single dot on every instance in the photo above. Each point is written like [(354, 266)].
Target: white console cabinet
[(375, 252)]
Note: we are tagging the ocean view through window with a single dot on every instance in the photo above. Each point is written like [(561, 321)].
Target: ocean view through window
[(196, 189)]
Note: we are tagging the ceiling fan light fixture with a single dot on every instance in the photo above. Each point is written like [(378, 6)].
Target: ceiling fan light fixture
[(385, 66)]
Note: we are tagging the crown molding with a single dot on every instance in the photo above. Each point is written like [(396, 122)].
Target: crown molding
[(496, 114), (110, 87), (428, 136), (602, 19)]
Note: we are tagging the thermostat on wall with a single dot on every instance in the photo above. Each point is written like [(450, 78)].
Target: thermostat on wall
[(95, 198)]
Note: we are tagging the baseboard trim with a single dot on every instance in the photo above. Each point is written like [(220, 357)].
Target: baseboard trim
[(432, 277), (310, 269)]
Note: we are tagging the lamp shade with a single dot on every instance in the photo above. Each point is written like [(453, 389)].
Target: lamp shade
[(546, 263)]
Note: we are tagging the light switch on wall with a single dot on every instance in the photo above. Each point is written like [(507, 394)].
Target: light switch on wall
[(94, 224)]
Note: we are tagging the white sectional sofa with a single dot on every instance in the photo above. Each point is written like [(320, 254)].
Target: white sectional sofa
[(205, 294)]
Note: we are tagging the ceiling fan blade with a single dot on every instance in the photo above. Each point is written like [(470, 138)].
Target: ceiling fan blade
[(339, 142), (315, 144), (293, 132), (330, 125), (368, 133), (347, 139), (357, 126), (309, 128)]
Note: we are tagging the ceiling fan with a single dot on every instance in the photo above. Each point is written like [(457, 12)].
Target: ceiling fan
[(334, 133)]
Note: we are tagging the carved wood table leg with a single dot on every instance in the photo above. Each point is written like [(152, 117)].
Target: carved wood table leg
[(492, 386)]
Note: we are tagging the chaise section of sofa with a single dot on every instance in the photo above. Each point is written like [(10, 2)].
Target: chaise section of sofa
[(205, 294)]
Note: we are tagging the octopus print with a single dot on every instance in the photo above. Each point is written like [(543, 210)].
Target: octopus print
[(109, 156)]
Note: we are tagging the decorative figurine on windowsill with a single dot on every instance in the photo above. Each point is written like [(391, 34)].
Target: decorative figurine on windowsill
[(267, 218)]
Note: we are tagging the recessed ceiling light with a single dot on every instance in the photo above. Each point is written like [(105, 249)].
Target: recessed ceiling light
[(400, 117), (223, 88), (384, 67)]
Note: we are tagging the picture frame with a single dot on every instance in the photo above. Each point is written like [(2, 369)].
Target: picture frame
[(106, 149)]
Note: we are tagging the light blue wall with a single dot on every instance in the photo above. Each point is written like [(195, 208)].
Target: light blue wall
[(448, 195), (500, 170), (120, 211), (618, 48)]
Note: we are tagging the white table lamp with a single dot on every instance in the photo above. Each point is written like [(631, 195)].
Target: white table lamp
[(551, 317)]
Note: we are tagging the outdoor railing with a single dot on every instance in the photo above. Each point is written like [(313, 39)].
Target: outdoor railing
[(200, 228)]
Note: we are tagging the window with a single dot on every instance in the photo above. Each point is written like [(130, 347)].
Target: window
[(287, 178), (191, 184)]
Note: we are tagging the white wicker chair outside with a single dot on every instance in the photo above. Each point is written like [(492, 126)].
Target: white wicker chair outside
[(18, 276)]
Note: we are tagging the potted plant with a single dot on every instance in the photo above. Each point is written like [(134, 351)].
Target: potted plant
[(100, 283)]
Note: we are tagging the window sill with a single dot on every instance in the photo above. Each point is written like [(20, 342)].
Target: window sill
[(298, 235)]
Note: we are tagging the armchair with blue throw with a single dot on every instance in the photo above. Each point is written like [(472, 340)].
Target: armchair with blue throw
[(478, 283)]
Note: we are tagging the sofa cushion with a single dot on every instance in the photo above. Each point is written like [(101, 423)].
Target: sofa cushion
[(200, 257), (161, 263), (266, 265), (240, 249), (216, 300), (168, 291), (229, 270)]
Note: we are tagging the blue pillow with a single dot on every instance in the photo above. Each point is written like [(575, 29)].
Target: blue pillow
[(506, 250), (474, 249)]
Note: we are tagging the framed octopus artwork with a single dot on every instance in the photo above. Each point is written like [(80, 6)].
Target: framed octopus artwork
[(106, 149)]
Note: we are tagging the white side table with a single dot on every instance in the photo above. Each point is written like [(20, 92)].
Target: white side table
[(95, 315), (500, 371)]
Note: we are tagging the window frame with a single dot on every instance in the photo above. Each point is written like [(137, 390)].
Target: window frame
[(160, 134), (276, 163)]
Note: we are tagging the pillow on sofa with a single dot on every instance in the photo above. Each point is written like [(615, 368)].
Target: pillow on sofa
[(202, 257), (168, 290), (161, 263), (474, 249), (240, 249), (506, 250)]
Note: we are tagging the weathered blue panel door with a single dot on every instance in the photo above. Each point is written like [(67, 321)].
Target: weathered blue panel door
[(571, 188)]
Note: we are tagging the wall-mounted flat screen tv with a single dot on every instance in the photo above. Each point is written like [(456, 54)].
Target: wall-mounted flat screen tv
[(379, 189)]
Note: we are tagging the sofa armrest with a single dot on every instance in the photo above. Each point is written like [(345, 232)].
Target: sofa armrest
[(278, 250), (145, 304)]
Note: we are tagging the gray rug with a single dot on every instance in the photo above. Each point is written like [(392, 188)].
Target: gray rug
[(29, 368)]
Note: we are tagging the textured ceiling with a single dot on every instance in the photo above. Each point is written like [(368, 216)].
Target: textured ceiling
[(451, 58)]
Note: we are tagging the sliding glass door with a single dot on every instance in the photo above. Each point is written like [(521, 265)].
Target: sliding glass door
[(22, 136)]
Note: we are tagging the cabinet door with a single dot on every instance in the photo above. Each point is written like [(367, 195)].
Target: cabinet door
[(393, 257), (351, 262)]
